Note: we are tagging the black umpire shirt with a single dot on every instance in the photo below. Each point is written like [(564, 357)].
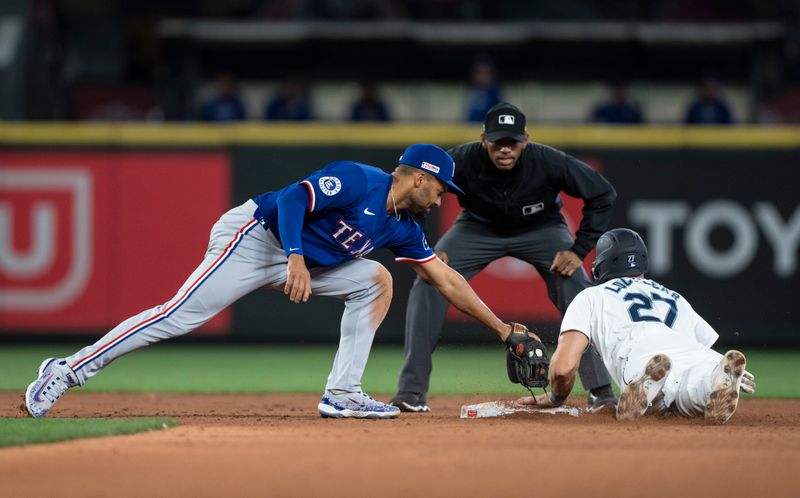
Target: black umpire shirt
[(528, 196)]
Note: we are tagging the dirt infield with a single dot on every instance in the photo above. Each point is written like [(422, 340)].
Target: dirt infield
[(277, 445)]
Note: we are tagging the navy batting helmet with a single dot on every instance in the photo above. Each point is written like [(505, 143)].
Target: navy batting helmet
[(620, 253)]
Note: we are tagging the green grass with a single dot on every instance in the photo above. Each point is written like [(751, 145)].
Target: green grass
[(17, 431), (180, 367)]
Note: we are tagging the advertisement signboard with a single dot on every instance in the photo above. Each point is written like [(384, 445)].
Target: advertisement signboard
[(89, 238)]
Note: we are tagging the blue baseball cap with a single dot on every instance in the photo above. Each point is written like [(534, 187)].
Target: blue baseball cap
[(432, 160)]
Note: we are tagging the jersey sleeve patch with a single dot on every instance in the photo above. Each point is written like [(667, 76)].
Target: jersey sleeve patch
[(338, 185), (330, 185)]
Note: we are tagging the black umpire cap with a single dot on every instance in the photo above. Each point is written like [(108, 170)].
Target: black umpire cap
[(504, 121)]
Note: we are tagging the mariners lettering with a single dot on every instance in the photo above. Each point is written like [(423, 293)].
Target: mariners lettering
[(657, 286), (618, 285)]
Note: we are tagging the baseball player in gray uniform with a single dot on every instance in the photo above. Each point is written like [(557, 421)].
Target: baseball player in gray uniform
[(309, 237), (511, 207), (656, 346)]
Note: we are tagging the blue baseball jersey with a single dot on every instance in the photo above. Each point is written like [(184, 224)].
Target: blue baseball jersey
[(346, 217)]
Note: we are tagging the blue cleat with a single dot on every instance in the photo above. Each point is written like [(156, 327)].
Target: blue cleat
[(354, 405)]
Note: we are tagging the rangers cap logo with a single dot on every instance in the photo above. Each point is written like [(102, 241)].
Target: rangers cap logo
[(505, 119), (429, 166)]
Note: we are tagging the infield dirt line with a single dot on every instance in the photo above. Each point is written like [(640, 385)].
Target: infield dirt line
[(276, 445)]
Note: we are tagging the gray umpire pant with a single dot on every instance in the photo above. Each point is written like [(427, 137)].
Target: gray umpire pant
[(470, 247)]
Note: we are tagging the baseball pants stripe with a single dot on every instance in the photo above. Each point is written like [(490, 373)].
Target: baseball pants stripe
[(106, 345), (175, 305), (240, 259)]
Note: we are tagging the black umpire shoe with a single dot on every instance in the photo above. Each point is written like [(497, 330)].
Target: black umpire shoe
[(411, 403), (599, 399)]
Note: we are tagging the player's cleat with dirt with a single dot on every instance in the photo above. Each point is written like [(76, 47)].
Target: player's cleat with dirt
[(637, 396), (354, 405), (54, 378), (726, 378)]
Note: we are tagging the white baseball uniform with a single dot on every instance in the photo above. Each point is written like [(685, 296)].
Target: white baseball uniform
[(631, 319)]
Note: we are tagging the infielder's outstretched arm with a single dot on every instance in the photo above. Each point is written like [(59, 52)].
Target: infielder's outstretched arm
[(459, 293)]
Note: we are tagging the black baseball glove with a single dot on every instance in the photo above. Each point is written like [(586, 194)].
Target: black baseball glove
[(526, 358)]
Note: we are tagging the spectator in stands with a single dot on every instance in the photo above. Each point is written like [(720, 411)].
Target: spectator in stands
[(291, 103), (484, 92), (225, 105), (369, 106), (620, 109), (708, 108)]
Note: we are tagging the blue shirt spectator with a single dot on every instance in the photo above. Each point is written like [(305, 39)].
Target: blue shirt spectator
[(617, 114), (708, 108), (619, 110), (709, 112), (369, 107), (290, 104), (484, 93), (226, 105)]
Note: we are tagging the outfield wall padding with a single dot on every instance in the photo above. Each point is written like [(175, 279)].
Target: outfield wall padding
[(718, 209)]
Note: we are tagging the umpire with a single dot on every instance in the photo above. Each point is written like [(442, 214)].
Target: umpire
[(511, 207)]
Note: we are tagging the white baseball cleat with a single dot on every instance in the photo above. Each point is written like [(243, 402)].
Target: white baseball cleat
[(638, 396), (354, 405), (55, 377), (726, 379)]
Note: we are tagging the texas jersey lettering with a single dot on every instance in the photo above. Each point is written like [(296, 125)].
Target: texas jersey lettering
[(346, 217)]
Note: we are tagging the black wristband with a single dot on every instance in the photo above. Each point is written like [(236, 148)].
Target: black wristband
[(556, 399)]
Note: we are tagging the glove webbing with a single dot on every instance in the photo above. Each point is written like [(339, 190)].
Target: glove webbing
[(533, 395)]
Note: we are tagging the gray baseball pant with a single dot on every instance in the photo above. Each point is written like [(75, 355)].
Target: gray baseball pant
[(241, 257), (470, 247)]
